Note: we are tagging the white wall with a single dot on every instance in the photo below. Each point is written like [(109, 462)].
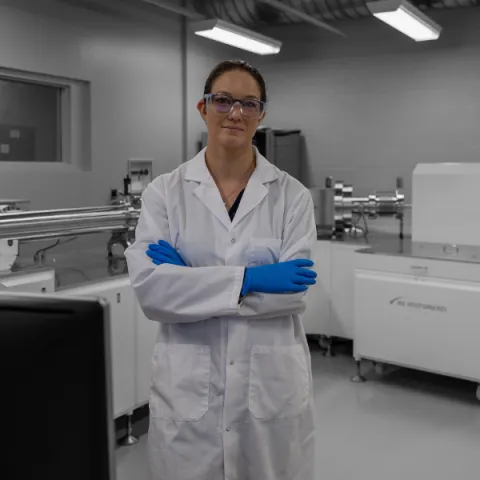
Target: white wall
[(202, 56), (375, 104), (134, 64)]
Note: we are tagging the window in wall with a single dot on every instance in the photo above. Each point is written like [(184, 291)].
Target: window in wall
[(44, 119), (30, 122)]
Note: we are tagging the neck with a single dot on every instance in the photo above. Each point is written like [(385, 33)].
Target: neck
[(229, 165)]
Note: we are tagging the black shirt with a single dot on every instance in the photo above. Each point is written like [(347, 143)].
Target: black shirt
[(235, 206)]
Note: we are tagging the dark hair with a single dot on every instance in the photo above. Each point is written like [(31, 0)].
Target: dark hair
[(232, 65)]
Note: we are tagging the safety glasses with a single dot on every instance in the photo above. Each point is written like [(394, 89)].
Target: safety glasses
[(223, 104)]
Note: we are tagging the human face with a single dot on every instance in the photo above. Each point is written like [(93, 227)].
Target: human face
[(232, 130)]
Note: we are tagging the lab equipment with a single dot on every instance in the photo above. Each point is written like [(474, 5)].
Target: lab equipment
[(338, 211), (285, 277), (418, 307), (8, 254), (28, 226), (44, 224), (447, 206), (139, 175), (281, 147), (140, 171), (162, 252), (56, 385), (9, 247), (10, 204), (119, 218)]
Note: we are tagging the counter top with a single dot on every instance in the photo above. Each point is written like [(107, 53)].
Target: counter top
[(432, 251), (376, 240), (78, 267), (391, 244)]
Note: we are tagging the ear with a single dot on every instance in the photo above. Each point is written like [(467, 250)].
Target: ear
[(260, 120), (202, 109)]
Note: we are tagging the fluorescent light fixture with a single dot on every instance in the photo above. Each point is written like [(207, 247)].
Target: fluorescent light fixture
[(235, 36), (406, 18)]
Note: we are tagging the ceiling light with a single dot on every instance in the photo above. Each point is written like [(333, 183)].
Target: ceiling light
[(236, 36), (406, 18)]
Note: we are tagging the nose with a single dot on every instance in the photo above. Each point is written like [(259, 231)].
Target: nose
[(235, 111)]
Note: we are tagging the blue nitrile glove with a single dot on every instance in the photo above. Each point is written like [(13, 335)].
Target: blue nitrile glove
[(163, 252), (284, 277)]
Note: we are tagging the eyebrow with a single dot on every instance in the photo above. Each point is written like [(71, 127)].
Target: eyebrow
[(254, 97)]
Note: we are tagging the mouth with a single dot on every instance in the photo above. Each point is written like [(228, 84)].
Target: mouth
[(234, 129)]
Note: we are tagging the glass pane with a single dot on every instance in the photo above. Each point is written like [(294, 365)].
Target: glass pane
[(29, 122)]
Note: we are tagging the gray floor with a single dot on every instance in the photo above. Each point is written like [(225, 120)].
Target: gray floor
[(404, 424)]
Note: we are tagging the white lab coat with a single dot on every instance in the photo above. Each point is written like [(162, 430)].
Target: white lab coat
[(231, 395)]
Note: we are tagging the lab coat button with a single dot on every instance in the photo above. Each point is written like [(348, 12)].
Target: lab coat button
[(228, 429), (233, 240), (232, 362)]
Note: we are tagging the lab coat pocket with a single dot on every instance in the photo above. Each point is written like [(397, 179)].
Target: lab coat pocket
[(262, 251), (180, 382), (279, 381)]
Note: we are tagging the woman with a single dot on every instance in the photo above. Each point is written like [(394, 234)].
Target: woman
[(221, 261)]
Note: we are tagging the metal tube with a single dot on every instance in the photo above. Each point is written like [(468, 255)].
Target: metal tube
[(67, 218), (63, 211), (51, 224), (357, 200), (350, 205)]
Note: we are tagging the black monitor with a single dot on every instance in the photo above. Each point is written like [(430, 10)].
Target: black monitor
[(55, 395)]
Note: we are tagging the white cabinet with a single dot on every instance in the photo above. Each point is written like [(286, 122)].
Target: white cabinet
[(317, 312), (145, 342), (133, 340), (340, 323), (329, 309), (119, 294), (418, 313)]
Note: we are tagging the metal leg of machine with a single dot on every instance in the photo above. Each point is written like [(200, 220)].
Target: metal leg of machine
[(329, 343), (379, 368), (118, 243), (359, 378), (129, 439)]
